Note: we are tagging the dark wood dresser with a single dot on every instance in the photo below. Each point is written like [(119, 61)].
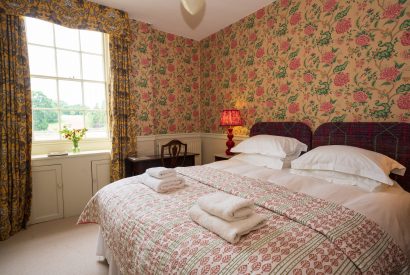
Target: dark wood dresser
[(136, 165)]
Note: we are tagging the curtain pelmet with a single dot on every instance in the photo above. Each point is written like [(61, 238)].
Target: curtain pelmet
[(78, 14), (15, 130)]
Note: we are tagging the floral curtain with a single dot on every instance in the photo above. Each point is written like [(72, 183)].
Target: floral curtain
[(119, 94), (15, 129), (15, 175), (82, 14)]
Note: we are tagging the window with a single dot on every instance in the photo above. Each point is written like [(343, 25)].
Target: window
[(68, 80)]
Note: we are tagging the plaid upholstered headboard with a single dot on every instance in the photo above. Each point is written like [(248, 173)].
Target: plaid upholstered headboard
[(297, 130), (391, 139)]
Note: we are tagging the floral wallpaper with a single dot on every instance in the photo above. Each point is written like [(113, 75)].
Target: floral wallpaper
[(141, 78), (313, 61), (164, 81), (176, 90)]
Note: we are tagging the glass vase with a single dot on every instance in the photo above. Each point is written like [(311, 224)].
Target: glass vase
[(76, 148)]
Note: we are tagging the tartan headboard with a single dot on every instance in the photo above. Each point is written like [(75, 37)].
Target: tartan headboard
[(389, 138), (297, 130)]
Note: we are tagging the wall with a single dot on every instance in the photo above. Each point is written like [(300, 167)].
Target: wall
[(141, 79), (164, 82), (176, 63), (312, 61)]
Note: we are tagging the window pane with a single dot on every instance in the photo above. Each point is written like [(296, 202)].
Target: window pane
[(70, 94), (42, 60), (45, 125), (96, 123), (91, 41), (67, 38), (39, 31), (93, 67), (72, 119), (43, 93), (67, 80), (68, 64), (94, 95)]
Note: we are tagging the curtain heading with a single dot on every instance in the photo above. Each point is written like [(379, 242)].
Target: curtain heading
[(76, 14)]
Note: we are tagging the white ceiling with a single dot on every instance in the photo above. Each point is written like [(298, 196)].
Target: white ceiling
[(169, 15)]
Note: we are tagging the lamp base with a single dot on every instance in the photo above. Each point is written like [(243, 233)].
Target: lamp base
[(230, 143)]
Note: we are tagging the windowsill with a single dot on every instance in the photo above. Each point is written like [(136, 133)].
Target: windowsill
[(64, 141), (46, 147), (72, 155)]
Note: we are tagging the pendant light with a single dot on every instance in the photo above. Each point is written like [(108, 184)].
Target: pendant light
[(193, 6)]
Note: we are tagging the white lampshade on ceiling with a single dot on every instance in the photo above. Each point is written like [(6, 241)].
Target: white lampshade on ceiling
[(193, 6)]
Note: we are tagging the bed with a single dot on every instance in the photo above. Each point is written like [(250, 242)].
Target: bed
[(313, 227)]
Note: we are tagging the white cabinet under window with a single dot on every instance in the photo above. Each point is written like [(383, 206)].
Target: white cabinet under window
[(47, 200), (101, 174), (62, 186)]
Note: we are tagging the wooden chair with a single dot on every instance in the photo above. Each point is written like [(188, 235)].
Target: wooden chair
[(176, 149)]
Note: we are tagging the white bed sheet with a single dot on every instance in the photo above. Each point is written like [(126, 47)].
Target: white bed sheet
[(390, 208), (104, 251)]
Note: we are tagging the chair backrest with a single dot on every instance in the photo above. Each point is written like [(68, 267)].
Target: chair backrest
[(173, 153)]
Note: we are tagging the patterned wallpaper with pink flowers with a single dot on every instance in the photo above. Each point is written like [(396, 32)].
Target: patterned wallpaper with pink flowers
[(176, 90), (141, 79), (312, 61), (164, 82)]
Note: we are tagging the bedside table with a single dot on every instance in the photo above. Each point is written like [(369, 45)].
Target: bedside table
[(222, 156)]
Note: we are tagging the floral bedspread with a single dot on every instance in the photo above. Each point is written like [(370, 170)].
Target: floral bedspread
[(151, 233)]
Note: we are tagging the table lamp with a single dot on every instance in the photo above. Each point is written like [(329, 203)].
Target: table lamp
[(230, 118)]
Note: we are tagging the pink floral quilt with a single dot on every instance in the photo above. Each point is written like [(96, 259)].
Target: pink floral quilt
[(151, 233)]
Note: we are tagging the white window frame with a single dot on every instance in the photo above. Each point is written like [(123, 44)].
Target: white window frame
[(46, 146)]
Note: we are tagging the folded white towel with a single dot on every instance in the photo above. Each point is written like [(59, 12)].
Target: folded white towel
[(230, 231), (161, 172), (226, 206), (162, 185)]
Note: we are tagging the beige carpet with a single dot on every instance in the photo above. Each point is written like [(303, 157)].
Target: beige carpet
[(56, 247)]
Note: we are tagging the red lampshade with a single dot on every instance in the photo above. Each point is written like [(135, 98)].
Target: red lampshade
[(231, 118)]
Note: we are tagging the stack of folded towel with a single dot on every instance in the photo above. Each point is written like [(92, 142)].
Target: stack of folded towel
[(226, 215), (162, 179)]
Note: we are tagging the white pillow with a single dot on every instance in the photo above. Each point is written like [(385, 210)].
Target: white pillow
[(269, 145), (265, 161), (350, 160), (363, 183)]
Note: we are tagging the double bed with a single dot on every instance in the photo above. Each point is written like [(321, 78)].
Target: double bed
[(313, 227)]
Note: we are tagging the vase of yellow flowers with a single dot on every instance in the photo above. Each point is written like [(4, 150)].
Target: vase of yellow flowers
[(75, 135)]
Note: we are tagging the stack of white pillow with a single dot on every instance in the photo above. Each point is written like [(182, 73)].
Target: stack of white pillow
[(270, 151), (350, 165), (339, 164)]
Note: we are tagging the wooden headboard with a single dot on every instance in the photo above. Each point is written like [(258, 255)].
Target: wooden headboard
[(388, 138), (297, 130)]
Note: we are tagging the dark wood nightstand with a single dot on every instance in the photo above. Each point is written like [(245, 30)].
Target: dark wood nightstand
[(222, 156)]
